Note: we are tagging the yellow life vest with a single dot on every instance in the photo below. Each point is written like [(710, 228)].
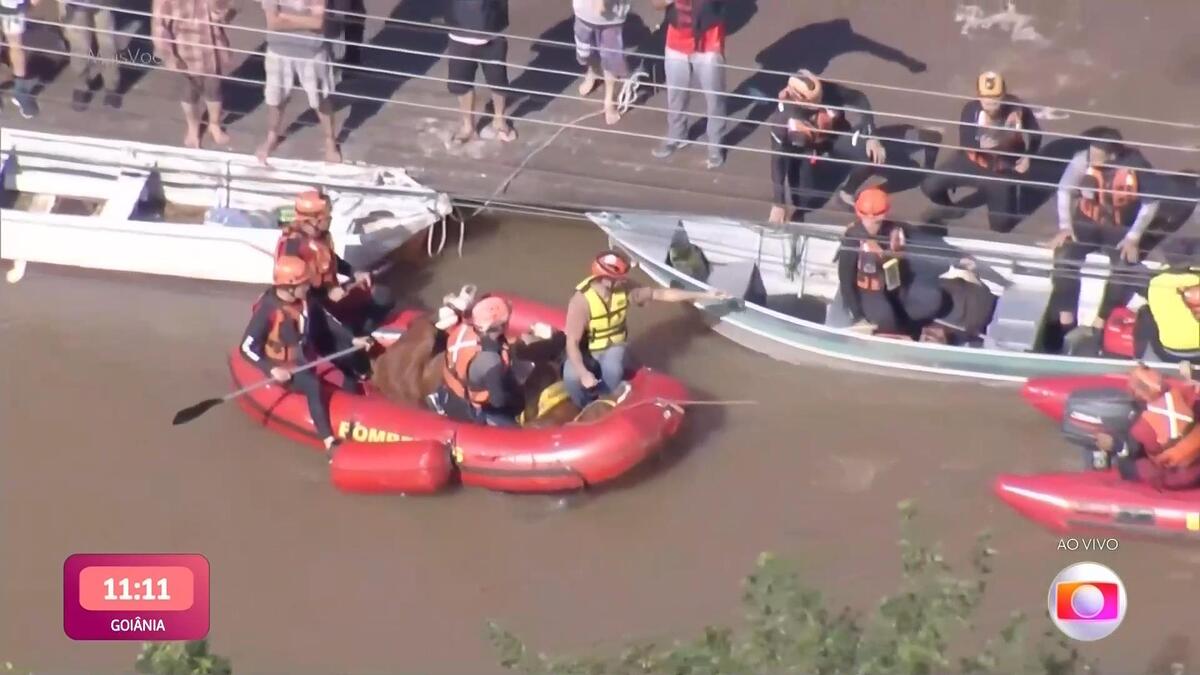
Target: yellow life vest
[(1178, 329), (606, 320)]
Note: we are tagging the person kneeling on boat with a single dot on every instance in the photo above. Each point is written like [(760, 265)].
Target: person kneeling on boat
[(308, 237), (478, 384), (1162, 447), (277, 335), (596, 330), (875, 283)]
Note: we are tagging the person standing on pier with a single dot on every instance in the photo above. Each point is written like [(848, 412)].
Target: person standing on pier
[(695, 52), (12, 25), (189, 36), (297, 50), (83, 26)]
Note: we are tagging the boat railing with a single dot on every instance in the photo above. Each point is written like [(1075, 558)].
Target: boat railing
[(236, 173)]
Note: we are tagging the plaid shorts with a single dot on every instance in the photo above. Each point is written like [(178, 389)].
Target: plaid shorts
[(315, 75)]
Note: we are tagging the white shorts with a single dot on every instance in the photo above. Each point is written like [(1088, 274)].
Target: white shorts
[(315, 75), (13, 24)]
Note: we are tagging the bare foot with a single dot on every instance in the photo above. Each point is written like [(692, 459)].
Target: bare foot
[(333, 155), (461, 137), (611, 116), (589, 83), (192, 139), (218, 135), (265, 150)]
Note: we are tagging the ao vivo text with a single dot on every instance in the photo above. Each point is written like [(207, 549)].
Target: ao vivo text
[(1089, 544)]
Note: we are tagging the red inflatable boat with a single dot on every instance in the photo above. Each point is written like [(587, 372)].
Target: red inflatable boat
[(1098, 501), (394, 448)]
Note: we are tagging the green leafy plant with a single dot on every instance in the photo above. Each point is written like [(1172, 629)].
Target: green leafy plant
[(180, 658), (924, 628)]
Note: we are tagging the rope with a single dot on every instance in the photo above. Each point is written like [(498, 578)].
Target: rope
[(631, 134), (751, 97), (624, 99)]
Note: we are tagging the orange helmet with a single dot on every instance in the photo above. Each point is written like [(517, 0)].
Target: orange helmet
[(990, 85), (872, 202), (805, 87), (290, 270), (312, 203), (1146, 383), (611, 265), (490, 312)]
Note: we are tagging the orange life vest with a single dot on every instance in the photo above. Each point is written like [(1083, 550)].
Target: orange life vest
[(1172, 415), (275, 348), (318, 251), (463, 344), (1107, 200), (1011, 140), (811, 126), (871, 258)]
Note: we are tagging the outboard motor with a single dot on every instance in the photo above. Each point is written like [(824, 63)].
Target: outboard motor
[(1092, 411)]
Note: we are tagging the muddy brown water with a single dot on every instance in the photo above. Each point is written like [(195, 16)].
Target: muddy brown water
[(307, 580)]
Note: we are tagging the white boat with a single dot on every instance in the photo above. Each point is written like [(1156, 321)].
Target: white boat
[(787, 278), (136, 207)]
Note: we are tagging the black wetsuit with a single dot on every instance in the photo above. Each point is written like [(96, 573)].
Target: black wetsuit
[(488, 371), (254, 343), (901, 311), (792, 164)]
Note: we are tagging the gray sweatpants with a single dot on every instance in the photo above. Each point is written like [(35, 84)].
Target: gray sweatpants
[(83, 25), (708, 70)]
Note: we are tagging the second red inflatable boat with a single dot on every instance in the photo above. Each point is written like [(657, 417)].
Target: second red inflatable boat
[(1094, 501)]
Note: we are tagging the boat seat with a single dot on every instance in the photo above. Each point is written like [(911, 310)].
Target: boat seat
[(1017, 321), (739, 279), (130, 187)]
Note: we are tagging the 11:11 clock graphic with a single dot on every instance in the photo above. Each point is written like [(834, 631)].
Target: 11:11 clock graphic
[(110, 596)]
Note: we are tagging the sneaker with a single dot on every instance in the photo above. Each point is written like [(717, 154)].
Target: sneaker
[(80, 98), (113, 100), (716, 158), (667, 148), (331, 444), (26, 104)]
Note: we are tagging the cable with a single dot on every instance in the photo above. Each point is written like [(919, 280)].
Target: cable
[(751, 97), (907, 90), (561, 127), (723, 146), (1066, 270)]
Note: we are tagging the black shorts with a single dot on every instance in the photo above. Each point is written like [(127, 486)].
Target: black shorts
[(465, 58)]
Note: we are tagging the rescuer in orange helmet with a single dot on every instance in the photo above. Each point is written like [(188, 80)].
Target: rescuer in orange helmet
[(596, 330), (1162, 447), (874, 280), (278, 334), (477, 376)]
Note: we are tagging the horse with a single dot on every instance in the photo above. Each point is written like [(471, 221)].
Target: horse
[(411, 369)]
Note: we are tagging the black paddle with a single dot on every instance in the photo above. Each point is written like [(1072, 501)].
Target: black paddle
[(193, 411)]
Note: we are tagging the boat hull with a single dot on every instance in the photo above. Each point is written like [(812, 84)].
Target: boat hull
[(375, 209), (1100, 502), (551, 459), (796, 340)]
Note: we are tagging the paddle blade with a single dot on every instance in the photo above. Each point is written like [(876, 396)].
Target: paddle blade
[(192, 412)]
